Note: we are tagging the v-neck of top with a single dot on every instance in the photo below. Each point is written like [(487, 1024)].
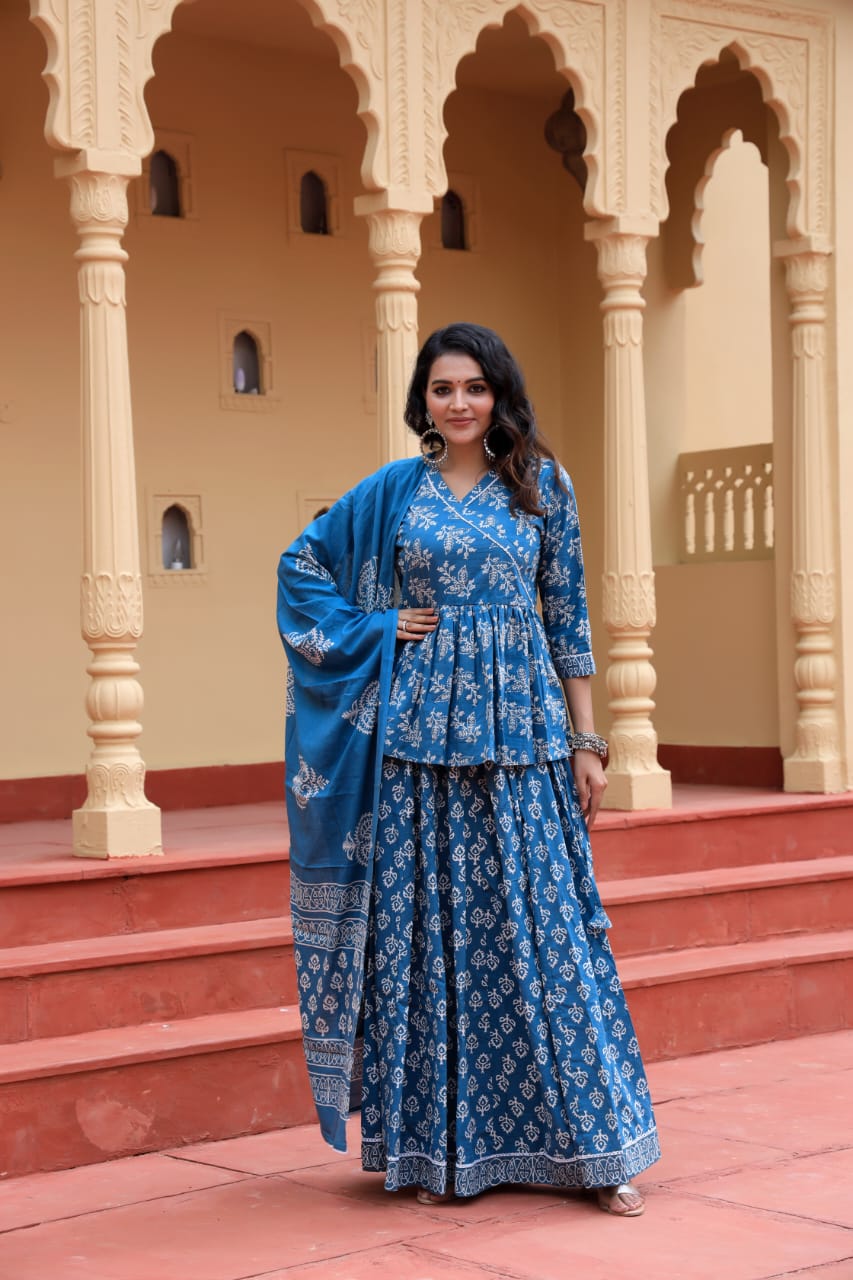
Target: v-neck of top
[(446, 490)]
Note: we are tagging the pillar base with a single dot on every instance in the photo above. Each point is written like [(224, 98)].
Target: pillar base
[(651, 790), (820, 777), (117, 833)]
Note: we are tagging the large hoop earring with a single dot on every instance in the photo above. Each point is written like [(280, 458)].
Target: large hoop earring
[(487, 448), (435, 452)]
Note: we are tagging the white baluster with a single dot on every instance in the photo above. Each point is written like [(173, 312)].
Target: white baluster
[(729, 520), (748, 519), (709, 521), (769, 518)]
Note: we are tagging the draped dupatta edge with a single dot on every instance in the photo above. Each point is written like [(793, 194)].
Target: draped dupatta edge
[(337, 620)]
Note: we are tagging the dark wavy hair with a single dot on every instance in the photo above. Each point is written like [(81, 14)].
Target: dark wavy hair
[(513, 435)]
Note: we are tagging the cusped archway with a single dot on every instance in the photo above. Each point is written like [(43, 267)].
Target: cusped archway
[(72, 123), (583, 39), (789, 58)]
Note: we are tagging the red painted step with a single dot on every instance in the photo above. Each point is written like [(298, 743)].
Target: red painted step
[(75, 1100), (707, 998), (58, 899), (64, 988), (736, 831), (729, 904)]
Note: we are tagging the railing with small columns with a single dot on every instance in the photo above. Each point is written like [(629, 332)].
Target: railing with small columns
[(726, 509)]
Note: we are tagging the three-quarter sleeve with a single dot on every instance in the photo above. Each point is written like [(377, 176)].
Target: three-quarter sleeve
[(562, 587)]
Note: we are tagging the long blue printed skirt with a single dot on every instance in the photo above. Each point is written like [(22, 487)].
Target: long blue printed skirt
[(497, 1043)]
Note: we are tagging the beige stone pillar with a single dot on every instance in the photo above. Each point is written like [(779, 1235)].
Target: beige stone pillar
[(815, 764), (116, 820), (395, 248), (635, 779)]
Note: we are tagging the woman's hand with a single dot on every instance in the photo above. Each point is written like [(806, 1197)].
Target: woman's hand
[(590, 782), (414, 624)]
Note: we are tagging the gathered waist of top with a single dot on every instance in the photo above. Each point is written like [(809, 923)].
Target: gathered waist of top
[(453, 610), (480, 687)]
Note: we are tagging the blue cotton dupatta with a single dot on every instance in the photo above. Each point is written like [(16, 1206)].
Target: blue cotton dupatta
[(337, 619)]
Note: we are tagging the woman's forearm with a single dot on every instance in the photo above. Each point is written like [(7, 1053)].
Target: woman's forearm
[(579, 698)]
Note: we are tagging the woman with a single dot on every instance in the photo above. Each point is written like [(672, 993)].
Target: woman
[(439, 803)]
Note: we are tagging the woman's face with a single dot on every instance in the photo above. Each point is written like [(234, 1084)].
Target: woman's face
[(459, 399)]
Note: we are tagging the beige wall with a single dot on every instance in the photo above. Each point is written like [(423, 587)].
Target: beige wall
[(42, 659), (717, 667)]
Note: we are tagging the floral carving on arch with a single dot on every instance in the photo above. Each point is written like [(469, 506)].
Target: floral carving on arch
[(587, 40), (787, 50), (100, 58)]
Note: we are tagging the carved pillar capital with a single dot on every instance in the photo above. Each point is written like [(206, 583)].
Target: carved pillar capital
[(622, 272), (806, 266), (394, 241), (99, 201), (394, 237), (111, 606), (621, 259), (813, 597), (629, 600)]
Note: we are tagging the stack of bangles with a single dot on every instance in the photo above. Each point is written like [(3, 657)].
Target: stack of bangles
[(589, 742)]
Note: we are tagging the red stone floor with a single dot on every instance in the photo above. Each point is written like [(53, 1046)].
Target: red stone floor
[(756, 1181)]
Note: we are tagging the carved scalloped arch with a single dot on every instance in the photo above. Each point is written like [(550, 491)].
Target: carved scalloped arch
[(790, 64), (587, 41), (74, 29)]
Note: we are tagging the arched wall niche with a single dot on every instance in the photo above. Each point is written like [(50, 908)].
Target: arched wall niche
[(165, 185), (72, 124), (587, 43), (788, 54), (454, 233)]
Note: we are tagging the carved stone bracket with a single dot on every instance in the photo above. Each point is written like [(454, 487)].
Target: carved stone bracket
[(788, 50)]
